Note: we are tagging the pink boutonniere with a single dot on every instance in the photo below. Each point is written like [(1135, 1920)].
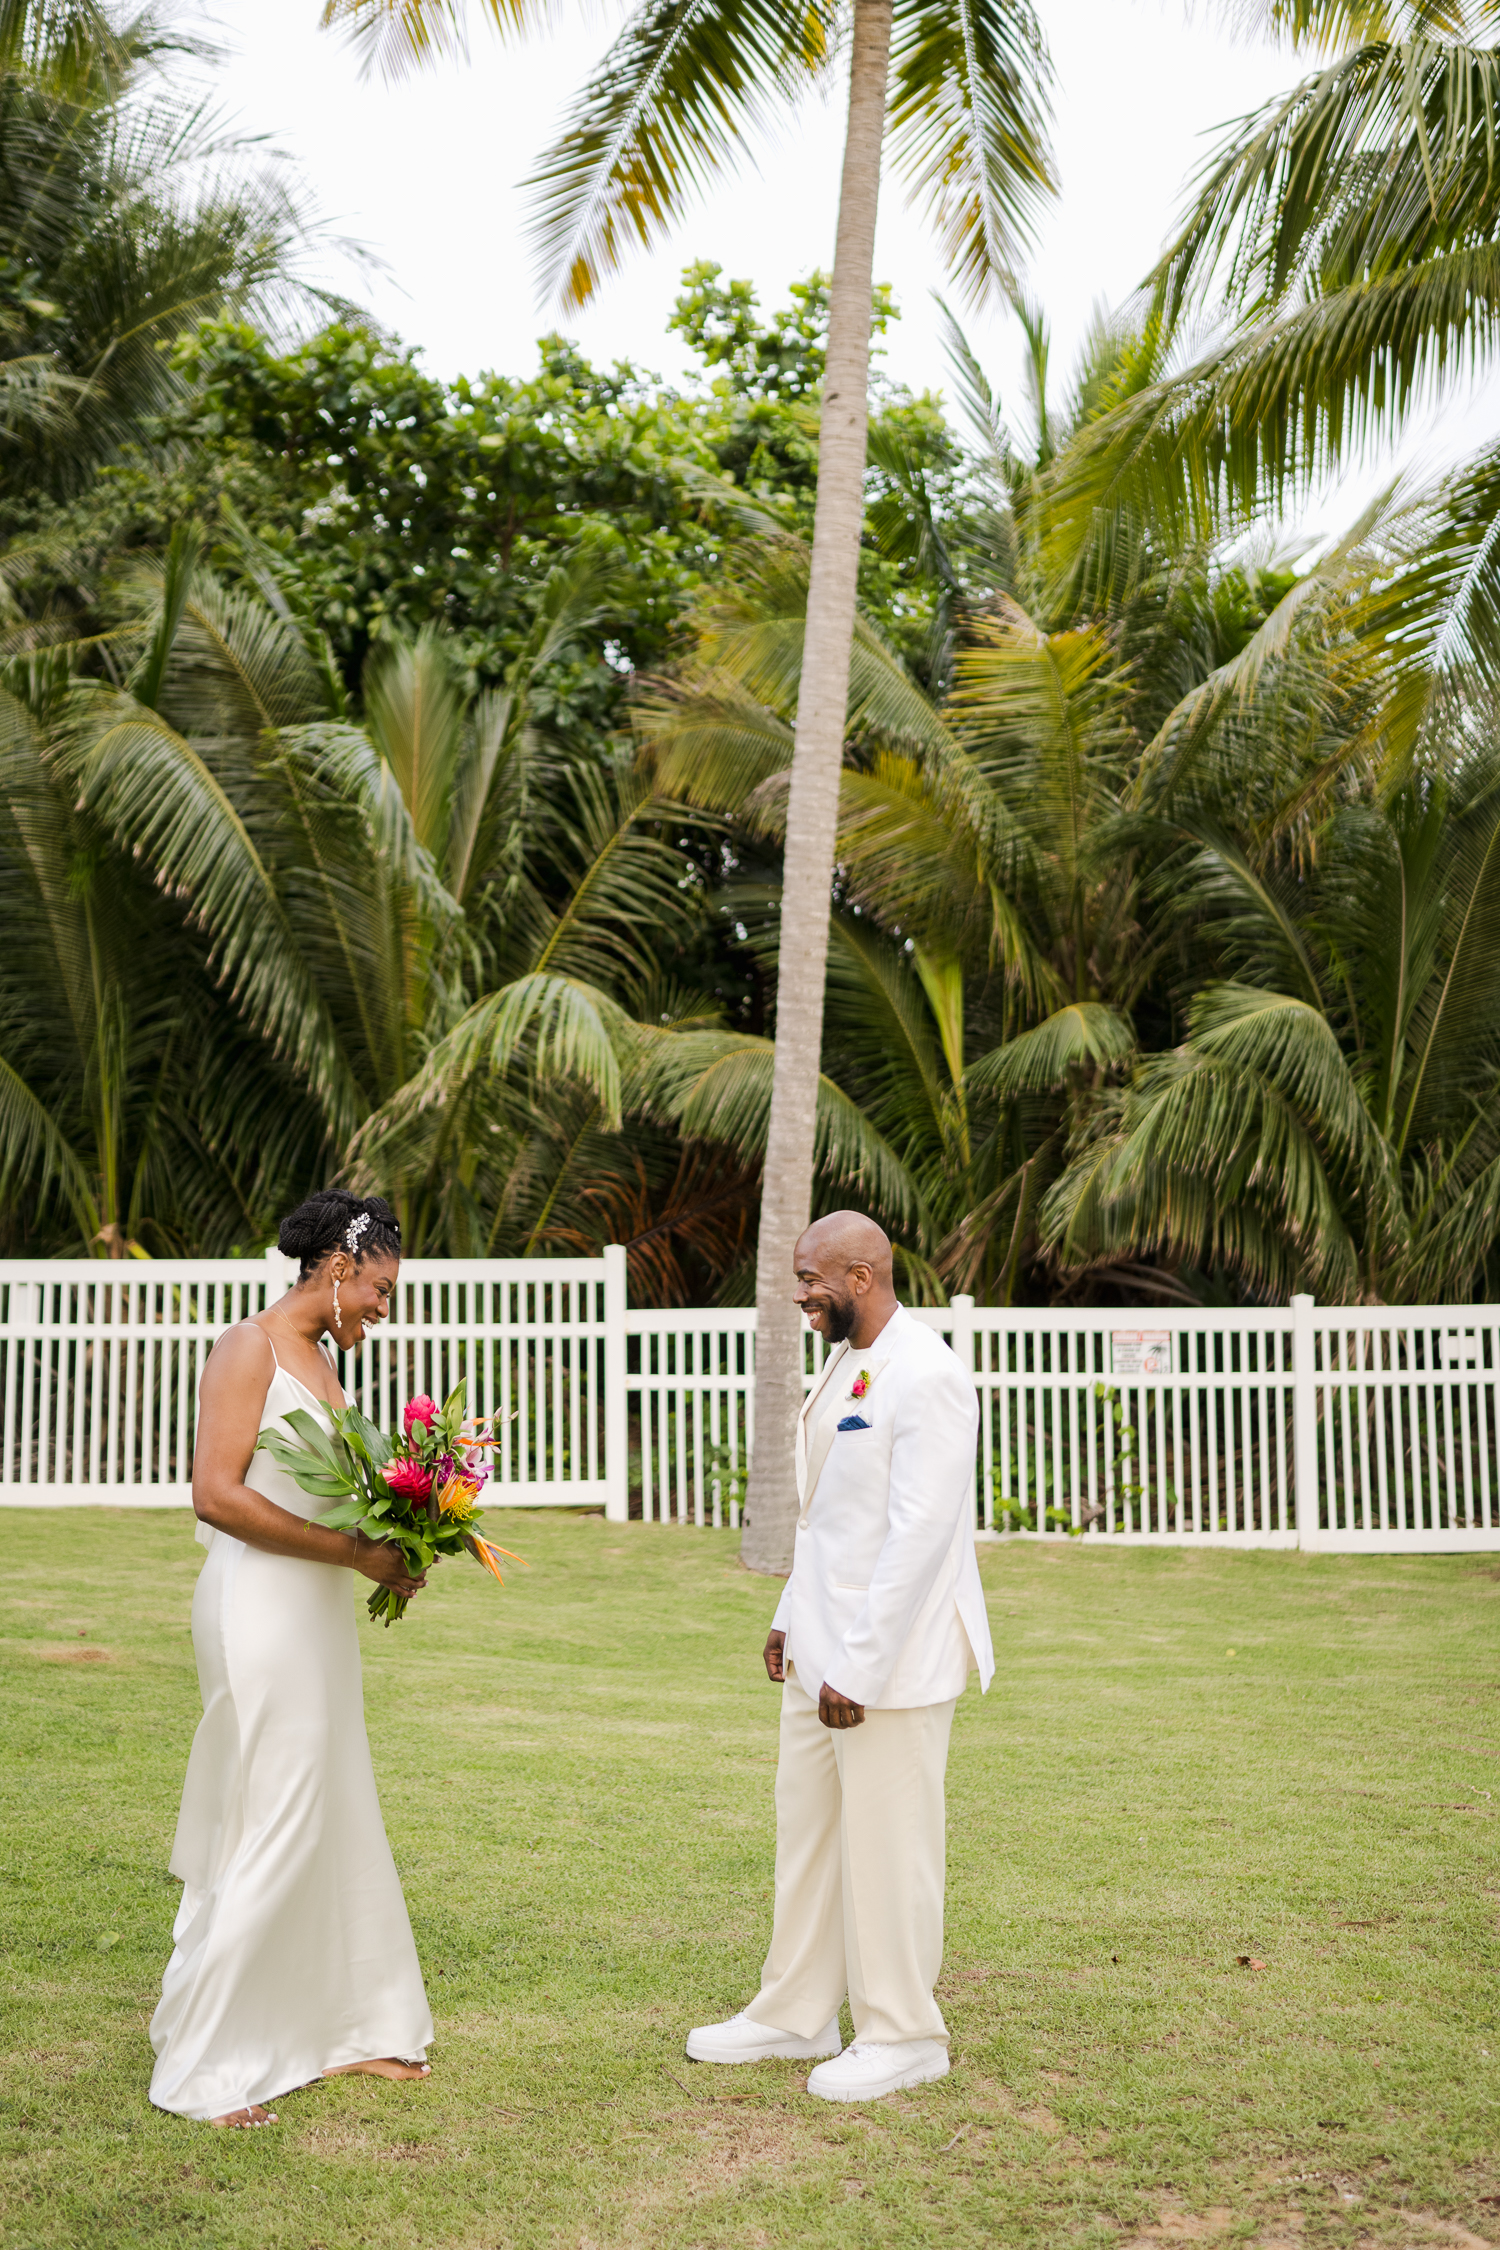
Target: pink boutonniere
[(860, 1384)]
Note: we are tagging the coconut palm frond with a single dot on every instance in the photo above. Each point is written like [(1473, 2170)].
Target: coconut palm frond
[(710, 741), (159, 796), (969, 130), (415, 712), (716, 1086), (685, 82), (395, 37), (1085, 1034), (1374, 164), (1168, 758)]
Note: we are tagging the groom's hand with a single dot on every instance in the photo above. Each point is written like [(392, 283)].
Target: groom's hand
[(773, 1653), (837, 1710)]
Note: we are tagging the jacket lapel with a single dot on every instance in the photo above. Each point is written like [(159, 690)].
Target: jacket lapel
[(823, 1436), (830, 1363)]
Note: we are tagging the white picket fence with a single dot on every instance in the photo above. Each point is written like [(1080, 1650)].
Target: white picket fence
[(1376, 1428)]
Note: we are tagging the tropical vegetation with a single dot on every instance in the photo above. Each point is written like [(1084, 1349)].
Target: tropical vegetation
[(395, 775)]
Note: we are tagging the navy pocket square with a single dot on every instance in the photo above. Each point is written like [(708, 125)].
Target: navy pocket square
[(854, 1422)]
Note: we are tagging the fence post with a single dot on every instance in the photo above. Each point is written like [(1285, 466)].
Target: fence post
[(1305, 1421), (616, 1418)]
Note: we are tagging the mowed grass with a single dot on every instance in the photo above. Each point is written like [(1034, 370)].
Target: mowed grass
[(577, 1777)]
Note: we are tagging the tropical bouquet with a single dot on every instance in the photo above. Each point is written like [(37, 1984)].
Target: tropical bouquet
[(417, 1489)]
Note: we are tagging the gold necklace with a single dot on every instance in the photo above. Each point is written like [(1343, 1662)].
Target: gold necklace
[(277, 1314)]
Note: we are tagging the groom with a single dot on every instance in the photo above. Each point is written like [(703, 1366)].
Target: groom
[(881, 1622)]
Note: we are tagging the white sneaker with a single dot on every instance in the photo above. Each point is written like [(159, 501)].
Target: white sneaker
[(872, 2067), (740, 2040)]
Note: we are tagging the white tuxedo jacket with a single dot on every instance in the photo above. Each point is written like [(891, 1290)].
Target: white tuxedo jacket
[(884, 1600)]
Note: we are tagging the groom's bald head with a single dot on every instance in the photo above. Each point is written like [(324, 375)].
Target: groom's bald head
[(850, 1238), (844, 1277)]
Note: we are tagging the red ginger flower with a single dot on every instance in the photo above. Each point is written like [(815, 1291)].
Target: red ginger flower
[(408, 1478), (419, 1409)]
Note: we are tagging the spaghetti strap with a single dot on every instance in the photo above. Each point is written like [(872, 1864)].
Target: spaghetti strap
[(267, 1334)]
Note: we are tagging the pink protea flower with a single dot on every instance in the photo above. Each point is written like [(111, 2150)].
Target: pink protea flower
[(408, 1478), (419, 1409)]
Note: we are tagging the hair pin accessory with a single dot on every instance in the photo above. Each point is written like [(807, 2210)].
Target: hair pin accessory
[(355, 1229)]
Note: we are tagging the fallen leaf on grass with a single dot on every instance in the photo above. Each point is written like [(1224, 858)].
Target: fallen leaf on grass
[(1248, 1961)]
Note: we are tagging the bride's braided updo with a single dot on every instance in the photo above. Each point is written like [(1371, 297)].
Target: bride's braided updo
[(364, 1226)]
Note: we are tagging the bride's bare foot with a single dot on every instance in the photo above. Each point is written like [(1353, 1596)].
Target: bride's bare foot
[(242, 2119), (385, 2066)]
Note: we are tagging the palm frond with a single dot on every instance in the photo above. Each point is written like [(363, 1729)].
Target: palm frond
[(716, 1086), (414, 708), (395, 37), (669, 105), (36, 1160), (1262, 416), (968, 125), (1168, 758), (1374, 165), (1085, 1034), (565, 1032), (159, 796)]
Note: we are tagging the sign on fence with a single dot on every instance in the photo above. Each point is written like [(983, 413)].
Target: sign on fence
[(1140, 1351), (1374, 1428)]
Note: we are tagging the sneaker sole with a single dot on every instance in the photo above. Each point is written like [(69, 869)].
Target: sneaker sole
[(783, 2050), (892, 2085)]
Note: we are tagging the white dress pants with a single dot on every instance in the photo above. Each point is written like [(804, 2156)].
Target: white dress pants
[(860, 1870)]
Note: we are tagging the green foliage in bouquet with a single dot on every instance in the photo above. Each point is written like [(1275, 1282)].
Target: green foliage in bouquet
[(416, 1490)]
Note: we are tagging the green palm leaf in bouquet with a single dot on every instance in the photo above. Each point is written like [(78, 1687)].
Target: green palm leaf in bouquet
[(415, 1489)]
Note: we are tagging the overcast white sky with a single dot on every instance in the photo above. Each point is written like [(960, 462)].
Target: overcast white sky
[(428, 173)]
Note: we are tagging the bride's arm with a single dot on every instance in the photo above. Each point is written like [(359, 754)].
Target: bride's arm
[(230, 1400)]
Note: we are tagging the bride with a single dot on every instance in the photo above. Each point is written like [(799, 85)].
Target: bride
[(293, 1955)]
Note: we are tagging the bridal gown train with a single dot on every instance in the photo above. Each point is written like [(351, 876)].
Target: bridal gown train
[(292, 1947)]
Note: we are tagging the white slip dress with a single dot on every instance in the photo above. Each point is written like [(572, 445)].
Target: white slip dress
[(292, 1948)]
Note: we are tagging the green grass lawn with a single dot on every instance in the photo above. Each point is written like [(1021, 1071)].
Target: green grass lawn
[(1185, 1758)]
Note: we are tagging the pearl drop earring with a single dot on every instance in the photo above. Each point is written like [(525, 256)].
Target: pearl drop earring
[(338, 1310)]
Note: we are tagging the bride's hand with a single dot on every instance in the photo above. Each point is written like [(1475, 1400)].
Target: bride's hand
[(383, 1560)]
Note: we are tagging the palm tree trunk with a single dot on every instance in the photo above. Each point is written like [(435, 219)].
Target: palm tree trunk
[(812, 807)]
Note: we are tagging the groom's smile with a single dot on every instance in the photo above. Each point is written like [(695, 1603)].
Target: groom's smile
[(830, 1310)]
